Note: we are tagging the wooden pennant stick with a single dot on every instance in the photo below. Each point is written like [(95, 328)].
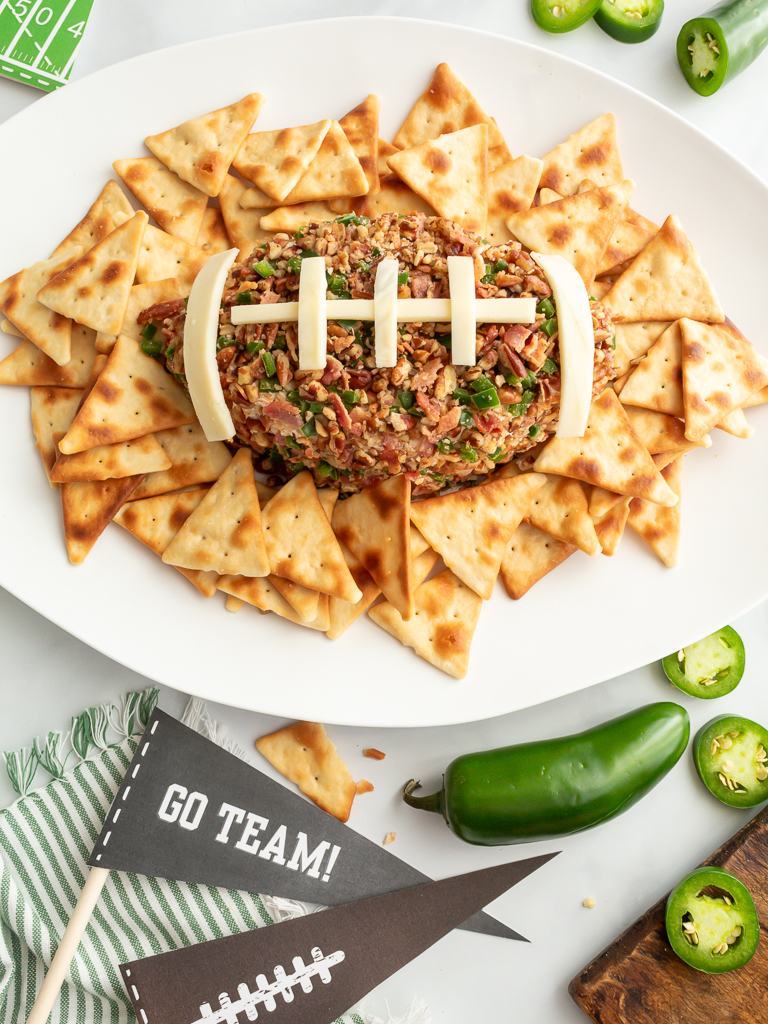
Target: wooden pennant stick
[(70, 940)]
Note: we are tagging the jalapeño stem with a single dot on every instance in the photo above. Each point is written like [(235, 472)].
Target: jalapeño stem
[(431, 802)]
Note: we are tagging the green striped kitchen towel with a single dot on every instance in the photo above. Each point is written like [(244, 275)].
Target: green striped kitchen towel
[(45, 839)]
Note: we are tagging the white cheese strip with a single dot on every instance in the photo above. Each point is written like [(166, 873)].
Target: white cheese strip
[(577, 342), (201, 329), (385, 321), (461, 279), (313, 317), (496, 311), (267, 313)]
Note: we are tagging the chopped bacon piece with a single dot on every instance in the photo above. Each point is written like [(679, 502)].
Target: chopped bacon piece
[(427, 375), (450, 420), (161, 310), (420, 285), (342, 414), (516, 336), (430, 406), (284, 414)]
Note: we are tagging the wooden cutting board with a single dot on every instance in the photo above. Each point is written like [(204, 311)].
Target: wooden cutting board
[(639, 980)]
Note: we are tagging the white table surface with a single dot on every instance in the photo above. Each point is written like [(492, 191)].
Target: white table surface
[(625, 865)]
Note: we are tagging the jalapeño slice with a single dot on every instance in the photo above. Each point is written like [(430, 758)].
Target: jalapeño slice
[(709, 668), (630, 21), (731, 758), (711, 921), (562, 15)]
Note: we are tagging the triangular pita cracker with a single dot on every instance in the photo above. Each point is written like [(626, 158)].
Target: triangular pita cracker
[(344, 613), (50, 330), (127, 458), (609, 527), (88, 508), (291, 218), (632, 340), (471, 528), (394, 196), (224, 533), (261, 593), (242, 225), (374, 524), (334, 171), (577, 227), (590, 153), (735, 424), (155, 522), (662, 433), (201, 150), (361, 127), (175, 205), (133, 396), (610, 455), (447, 106), (660, 527), (665, 281), (275, 160), (301, 545), (53, 410), (560, 509), (253, 198), (511, 189), (442, 627), (94, 290), (212, 236), (162, 256), (109, 211), (451, 174), (632, 233), (529, 556), (194, 460), (305, 602), (27, 364), (721, 369), (657, 380), (304, 754), (8, 328)]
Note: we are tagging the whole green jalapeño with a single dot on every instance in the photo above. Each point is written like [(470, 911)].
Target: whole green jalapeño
[(711, 921), (710, 667), (556, 787)]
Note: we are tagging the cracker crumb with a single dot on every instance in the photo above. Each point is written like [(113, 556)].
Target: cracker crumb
[(364, 786), (589, 903), (389, 838), (377, 755)]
